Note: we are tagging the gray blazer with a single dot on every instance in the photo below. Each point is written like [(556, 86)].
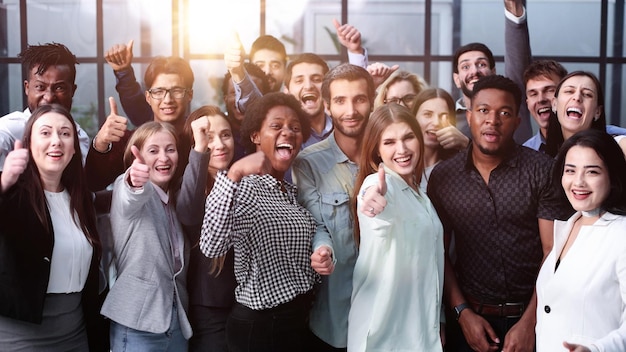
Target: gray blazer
[(143, 293)]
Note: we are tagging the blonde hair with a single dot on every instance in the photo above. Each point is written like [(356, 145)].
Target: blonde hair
[(416, 81), (141, 134)]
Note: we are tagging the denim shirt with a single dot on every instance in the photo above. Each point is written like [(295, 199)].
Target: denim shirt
[(325, 179)]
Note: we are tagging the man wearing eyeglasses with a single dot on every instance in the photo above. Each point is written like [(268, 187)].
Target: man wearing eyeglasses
[(170, 89)]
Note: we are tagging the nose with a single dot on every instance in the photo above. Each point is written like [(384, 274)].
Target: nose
[(579, 179), (55, 139), (494, 118), (217, 144), (49, 95), (168, 96)]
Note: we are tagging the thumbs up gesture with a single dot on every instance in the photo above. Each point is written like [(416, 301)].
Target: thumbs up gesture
[(120, 56), (112, 130), (234, 58), (139, 173), (14, 165), (374, 201)]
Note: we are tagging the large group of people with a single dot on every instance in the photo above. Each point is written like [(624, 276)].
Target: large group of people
[(348, 208)]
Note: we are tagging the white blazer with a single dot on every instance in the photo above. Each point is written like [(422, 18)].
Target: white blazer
[(583, 301)]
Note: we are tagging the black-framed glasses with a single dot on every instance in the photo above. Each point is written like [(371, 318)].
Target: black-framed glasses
[(160, 93), (406, 100)]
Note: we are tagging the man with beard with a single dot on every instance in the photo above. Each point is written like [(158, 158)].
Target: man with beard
[(475, 60), (498, 200), (324, 174)]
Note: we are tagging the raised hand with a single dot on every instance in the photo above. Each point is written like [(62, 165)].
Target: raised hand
[(234, 58), (322, 261), (200, 128), (380, 72), (139, 173), (349, 36), (14, 165), (449, 137), (374, 201), (254, 164), (112, 130), (120, 56)]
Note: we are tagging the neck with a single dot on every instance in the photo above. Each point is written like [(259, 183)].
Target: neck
[(350, 146), (566, 134), (431, 157), (544, 132), (318, 122), (51, 184)]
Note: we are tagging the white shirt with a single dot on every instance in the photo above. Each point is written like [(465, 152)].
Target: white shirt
[(71, 253)]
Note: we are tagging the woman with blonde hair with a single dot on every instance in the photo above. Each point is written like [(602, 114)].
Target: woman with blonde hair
[(401, 87), (398, 276)]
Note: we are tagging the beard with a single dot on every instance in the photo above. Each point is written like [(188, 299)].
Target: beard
[(465, 89), (352, 132)]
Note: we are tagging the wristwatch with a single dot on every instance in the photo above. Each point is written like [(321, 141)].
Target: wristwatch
[(458, 309)]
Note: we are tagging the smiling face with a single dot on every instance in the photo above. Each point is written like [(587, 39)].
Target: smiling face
[(399, 150), (585, 178), (492, 120), (306, 86), (55, 85), (160, 154), (169, 109), (273, 64), (280, 138), (472, 65), (577, 105), (400, 91), (432, 116), (52, 145), (221, 143), (349, 106), (539, 94)]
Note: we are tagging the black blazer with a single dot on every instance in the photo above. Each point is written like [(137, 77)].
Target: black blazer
[(25, 255)]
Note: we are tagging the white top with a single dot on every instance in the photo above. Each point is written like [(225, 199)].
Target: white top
[(71, 253), (12, 127), (584, 300), (398, 276)]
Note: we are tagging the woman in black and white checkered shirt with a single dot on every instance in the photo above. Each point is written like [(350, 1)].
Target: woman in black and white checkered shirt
[(253, 209)]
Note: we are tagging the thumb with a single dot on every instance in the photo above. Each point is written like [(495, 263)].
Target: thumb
[(382, 183), (113, 106), (130, 45), (235, 38), (17, 145), (445, 120), (336, 24), (394, 68), (136, 153)]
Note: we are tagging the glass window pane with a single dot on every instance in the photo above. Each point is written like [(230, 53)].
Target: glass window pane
[(85, 101), (207, 87), (9, 28), (11, 84)]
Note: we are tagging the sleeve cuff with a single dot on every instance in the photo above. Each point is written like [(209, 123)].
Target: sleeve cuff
[(517, 20)]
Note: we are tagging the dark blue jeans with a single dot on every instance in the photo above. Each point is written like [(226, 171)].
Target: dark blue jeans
[(279, 329)]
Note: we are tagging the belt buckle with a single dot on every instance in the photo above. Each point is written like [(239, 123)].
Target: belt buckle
[(520, 305)]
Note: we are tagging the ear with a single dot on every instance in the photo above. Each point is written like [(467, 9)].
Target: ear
[(255, 138), (147, 97), (554, 105), (598, 113), (26, 87), (457, 80), (285, 90), (189, 95), (74, 91)]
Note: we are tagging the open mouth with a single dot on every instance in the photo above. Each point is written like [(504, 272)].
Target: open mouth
[(284, 151), (574, 112), (544, 112), (163, 169), (403, 160), (308, 99)]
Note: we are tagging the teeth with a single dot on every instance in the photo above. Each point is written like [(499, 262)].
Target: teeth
[(55, 154), (581, 192), (167, 167), (307, 97), (542, 110), (285, 145), (576, 110), (403, 159), (433, 132)]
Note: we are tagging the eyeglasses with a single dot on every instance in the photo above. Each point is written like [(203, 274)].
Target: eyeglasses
[(406, 100), (160, 93)]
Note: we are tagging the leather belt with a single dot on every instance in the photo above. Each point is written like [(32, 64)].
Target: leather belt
[(501, 310)]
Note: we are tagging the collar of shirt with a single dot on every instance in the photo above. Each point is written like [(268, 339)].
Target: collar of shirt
[(340, 156), (164, 196), (509, 158), (460, 105)]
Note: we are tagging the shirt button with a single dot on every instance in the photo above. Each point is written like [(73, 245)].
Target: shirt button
[(336, 201), (547, 309)]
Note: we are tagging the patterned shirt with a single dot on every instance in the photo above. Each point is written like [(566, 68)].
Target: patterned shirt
[(495, 225), (271, 234)]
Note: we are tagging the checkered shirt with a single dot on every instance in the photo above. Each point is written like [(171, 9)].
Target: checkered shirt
[(271, 234)]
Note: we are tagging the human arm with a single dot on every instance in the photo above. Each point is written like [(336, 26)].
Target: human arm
[(132, 97), (14, 165), (350, 37), (101, 169), (245, 90), (191, 196)]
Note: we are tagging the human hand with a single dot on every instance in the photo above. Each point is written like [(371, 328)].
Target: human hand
[(449, 137), (254, 164), (520, 338), (374, 201), (349, 36), (322, 261), (120, 56), (200, 128), (14, 165), (112, 130), (479, 335), (139, 172), (234, 58), (380, 72), (572, 347)]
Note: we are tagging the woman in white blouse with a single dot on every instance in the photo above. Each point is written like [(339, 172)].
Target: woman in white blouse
[(581, 287), (398, 276), (49, 247)]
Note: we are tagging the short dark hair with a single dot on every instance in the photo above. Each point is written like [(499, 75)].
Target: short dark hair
[(168, 65), (610, 152), (270, 43), (544, 68), (308, 58), (473, 47), (46, 55), (348, 72), (501, 83), (257, 113), (253, 71)]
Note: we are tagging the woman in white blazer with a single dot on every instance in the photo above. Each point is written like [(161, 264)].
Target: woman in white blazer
[(581, 287)]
